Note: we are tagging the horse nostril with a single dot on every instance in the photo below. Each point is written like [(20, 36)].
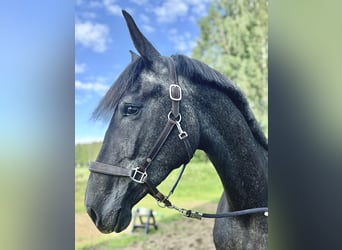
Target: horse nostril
[(92, 215)]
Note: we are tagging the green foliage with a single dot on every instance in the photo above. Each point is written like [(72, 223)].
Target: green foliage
[(85, 153), (234, 41), (81, 178), (199, 156), (118, 243)]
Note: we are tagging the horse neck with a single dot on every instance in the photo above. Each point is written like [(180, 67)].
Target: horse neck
[(239, 159)]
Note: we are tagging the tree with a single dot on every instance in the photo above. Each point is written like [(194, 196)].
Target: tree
[(234, 41)]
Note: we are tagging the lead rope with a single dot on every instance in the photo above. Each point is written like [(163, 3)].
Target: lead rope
[(198, 215), (194, 214)]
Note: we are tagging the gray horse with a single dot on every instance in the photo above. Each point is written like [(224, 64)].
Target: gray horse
[(208, 112)]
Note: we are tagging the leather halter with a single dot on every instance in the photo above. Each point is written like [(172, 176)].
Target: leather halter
[(139, 174)]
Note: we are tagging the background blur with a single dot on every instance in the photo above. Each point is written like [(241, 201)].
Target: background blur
[(37, 124)]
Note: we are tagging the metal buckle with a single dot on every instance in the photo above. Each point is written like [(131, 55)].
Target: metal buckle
[(182, 135), (178, 96), (137, 175), (175, 119)]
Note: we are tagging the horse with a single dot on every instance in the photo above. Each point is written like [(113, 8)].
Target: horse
[(161, 110)]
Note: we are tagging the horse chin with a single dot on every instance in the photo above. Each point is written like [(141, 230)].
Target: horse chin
[(116, 222), (122, 221)]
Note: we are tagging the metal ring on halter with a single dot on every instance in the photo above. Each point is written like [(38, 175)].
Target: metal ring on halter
[(161, 204), (172, 120)]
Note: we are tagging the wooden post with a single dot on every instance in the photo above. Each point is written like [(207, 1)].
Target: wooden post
[(144, 218)]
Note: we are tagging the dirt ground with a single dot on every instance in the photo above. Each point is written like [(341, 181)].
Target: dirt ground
[(183, 234)]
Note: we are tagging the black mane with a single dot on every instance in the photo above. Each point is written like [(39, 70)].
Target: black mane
[(200, 72), (189, 68)]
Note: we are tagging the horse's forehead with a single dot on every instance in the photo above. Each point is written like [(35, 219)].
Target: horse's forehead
[(149, 78)]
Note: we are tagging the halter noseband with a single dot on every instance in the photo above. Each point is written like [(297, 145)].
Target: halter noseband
[(139, 174)]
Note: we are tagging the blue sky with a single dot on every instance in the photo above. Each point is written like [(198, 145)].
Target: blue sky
[(102, 45)]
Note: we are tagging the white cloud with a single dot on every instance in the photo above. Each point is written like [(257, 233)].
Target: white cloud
[(148, 28), (79, 68), (170, 10), (139, 2), (82, 99), (144, 18), (199, 7), (92, 35), (94, 4), (113, 8), (183, 43), (91, 86)]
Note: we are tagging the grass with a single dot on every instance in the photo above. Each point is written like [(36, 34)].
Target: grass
[(119, 242), (199, 184), (81, 178)]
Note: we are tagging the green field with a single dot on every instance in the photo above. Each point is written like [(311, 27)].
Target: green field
[(199, 184)]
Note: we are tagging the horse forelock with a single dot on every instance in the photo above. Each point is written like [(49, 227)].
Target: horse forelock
[(199, 72), (125, 81)]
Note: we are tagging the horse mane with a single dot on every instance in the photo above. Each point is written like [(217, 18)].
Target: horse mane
[(200, 72)]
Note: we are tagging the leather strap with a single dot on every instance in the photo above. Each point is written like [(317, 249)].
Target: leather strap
[(157, 194), (102, 168), (157, 146), (175, 90)]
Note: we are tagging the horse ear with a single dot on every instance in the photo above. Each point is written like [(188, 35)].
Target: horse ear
[(134, 56), (144, 47)]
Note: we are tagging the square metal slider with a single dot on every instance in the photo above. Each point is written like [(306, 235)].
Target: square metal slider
[(175, 92)]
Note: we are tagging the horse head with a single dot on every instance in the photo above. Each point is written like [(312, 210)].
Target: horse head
[(139, 105)]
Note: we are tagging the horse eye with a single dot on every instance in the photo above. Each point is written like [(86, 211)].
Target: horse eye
[(131, 109)]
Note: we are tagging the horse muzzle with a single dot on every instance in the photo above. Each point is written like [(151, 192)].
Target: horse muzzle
[(113, 221)]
